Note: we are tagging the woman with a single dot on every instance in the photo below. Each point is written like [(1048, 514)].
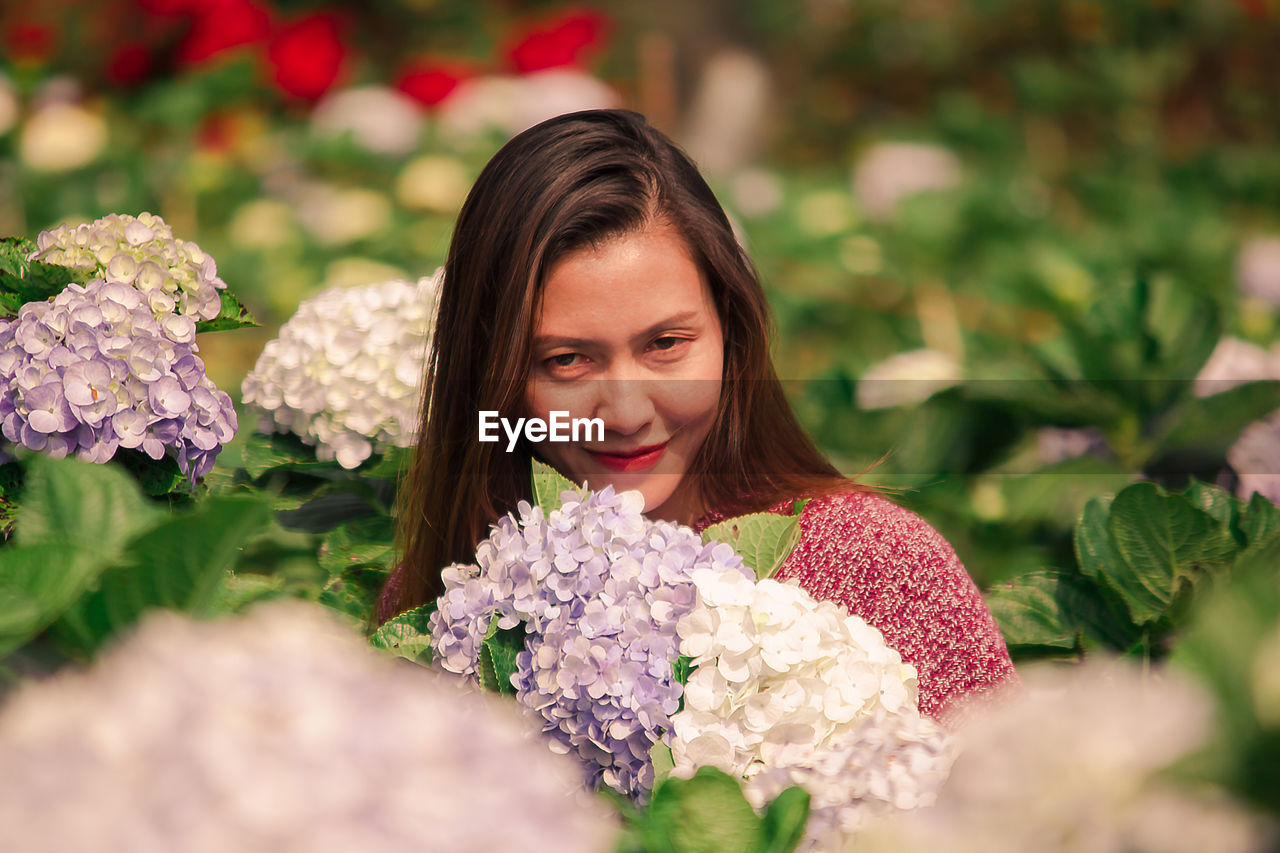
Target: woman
[(593, 272)]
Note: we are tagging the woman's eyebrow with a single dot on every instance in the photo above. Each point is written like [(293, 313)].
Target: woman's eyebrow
[(682, 317)]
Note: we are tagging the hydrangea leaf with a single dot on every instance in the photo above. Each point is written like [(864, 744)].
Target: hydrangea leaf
[(407, 635), (763, 539), (94, 507), (1053, 609), (498, 653), (365, 543), (1148, 544), (179, 564), (663, 762), (233, 315), (263, 454), (37, 583), (1210, 424), (705, 814), (325, 512), (354, 593), (1260, 524), (1212, 500), (548, 484), (22, 281), (785, 820)]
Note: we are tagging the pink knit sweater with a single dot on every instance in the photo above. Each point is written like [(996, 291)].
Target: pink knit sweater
[(887, 565)]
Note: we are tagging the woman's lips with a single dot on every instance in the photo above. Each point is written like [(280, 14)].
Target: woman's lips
[(638, 460)]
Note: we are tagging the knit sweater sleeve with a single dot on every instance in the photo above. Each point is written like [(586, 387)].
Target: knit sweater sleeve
[(887, 565)]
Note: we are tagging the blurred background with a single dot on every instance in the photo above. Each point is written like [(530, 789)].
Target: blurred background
[(1020, 252)]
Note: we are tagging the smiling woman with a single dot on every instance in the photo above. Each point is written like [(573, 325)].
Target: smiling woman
[(593, 272)]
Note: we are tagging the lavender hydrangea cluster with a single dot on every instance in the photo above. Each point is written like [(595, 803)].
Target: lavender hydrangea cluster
[(273, 732), (599, 589), (345, 372), (94, 370), (175, 277)]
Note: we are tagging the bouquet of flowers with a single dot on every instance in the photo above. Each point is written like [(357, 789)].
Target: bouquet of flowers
[(596, 617), (344, 375), (110, 360)]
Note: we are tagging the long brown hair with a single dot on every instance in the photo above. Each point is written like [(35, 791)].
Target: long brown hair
[(574, 181)]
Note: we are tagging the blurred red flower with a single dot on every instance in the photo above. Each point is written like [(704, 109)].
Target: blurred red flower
[(221, 25), (429, 82), (29, 42), (128, 64), (307, 56), (563, 40)]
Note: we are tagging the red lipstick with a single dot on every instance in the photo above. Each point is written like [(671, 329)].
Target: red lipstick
[(640, 459)]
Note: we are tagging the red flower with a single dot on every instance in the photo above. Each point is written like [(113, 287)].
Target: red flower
[(221, 26), (29, 42), (560, 41), (307, 56), (171, 7), (1257, 9), (129, 63), (428, 82)]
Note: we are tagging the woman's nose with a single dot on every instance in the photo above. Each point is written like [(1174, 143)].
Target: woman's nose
[(624, 404)]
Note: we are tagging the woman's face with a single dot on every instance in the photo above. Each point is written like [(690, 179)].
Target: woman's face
[(628, 333)]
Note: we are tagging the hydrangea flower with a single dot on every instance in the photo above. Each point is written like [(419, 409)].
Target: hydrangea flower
[(345, 373), (93, 370), (290, 734), (1072, 764), (178, 281), (600, 589), (790, 690)]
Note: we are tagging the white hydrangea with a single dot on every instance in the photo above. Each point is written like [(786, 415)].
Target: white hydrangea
[(790, 690), (284, 732), (889, 172), (907, 378), (345, 372), (1071, 765), (174, 275)]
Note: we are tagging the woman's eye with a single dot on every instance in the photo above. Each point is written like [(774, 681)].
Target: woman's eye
[(564, 359), (667, 342)]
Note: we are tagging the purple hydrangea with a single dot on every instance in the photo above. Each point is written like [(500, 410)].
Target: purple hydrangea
[(93, 370), (599, 588), (178, 281)]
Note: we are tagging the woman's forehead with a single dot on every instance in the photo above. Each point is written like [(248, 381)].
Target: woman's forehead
[(627, 283)]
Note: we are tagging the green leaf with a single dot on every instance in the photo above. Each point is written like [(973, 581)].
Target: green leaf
[(1053, 609), (233, 315), (663, 762), (37, 583), (498, 653), (23, 281), (764, 539), (1029, 613), (265, 453), (682, 668), (1148, 545), (94, 507), (1211, 500), (325, 512), (365, 543), (785, 820), (180, 564), (1259, 523), (548, 484), (705, 814), (354, 594), (1211, 424), (407, 635)]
